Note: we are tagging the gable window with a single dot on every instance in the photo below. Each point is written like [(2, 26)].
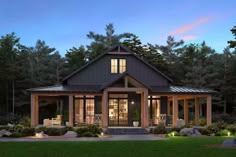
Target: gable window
[(114, 65), (118, 65), (122, 65)]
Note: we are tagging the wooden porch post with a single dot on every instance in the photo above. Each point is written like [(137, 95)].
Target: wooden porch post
[(145, 109), (71, 110), (34, 110), (175, 111), (105, 109), (186, 111), (209, 111), (196, 110)]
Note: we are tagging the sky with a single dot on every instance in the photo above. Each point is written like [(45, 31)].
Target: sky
[(63, 24)]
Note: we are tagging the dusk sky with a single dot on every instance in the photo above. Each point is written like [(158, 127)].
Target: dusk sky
[(64, 23)]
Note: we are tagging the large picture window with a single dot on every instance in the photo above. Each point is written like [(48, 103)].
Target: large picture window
[(118, 65)]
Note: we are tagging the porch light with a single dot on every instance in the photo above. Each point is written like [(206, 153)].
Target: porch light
[(102, 133), (132, 102), (228, 133)]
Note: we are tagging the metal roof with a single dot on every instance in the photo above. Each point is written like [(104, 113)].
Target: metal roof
[(66, 88), (96, 88), (180, 89)]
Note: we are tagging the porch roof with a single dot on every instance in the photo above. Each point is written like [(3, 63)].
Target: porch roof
[(98, 88), (180, 90), (66, 88)]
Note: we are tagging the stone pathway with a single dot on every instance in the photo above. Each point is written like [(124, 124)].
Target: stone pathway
[(148, 137)]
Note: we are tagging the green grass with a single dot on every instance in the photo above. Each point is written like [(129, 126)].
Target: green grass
[(173, 147)]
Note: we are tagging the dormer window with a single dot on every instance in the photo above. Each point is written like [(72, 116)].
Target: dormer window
[(118, 65)]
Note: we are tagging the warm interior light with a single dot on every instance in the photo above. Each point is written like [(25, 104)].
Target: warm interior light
[(102, 133)]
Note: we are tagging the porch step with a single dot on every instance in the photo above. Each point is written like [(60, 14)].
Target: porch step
[(126, 131)]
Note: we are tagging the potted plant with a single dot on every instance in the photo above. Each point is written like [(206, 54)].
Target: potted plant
[(136, 118)]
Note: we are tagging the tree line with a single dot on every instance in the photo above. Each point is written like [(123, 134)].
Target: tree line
[(193, 65)]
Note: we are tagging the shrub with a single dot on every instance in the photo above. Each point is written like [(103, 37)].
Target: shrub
[(15, 134), (202, 121), (222, 132), (204, 131), (40, 129), (25, 121), (69, 129), (231, 128), (18, 128), (94, 129), (55, 131), (88, 134), (160, 129), (82, 130), (216, 127), (28, 132)]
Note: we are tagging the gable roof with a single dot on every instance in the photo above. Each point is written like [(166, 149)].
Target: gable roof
[(107, 84), (111, 51)]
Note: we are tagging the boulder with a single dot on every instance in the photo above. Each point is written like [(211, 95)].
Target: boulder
[(190, 132), (229, 143), (70, 134), (41, 135), (5, 132)]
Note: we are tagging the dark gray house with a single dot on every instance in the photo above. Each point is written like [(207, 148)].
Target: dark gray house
[(117, 88)]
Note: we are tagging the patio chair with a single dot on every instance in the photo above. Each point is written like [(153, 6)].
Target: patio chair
[(57, 120)]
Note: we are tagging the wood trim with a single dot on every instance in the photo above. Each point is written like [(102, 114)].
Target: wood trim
[(118, 89)]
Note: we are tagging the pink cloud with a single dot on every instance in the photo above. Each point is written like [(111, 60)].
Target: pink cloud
[(189, 27), (189, 37)]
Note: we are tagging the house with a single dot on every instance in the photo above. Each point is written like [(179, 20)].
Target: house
[(118, 83)]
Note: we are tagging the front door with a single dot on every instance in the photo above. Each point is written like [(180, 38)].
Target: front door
[(118, 112)]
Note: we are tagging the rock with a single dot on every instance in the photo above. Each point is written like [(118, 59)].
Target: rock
[(10, 125), (229, 143), (70, 134), (190, 132), (41, 135), (5, 132)]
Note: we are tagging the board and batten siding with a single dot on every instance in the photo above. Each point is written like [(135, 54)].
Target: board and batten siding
[(99, 72)]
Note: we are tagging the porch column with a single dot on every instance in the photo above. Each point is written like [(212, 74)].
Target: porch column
[(175, 111), (71, 111), (186, 111), (196, 110), (209, 111), (145, 109), (105, 109), (34, 110)]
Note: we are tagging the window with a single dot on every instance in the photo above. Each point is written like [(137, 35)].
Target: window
[(122, 65), (114, 65), (118, 65)]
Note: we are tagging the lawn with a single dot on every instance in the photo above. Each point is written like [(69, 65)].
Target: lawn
[(173, 147)]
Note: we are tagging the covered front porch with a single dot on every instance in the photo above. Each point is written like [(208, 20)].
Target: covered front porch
[(114, 107)]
